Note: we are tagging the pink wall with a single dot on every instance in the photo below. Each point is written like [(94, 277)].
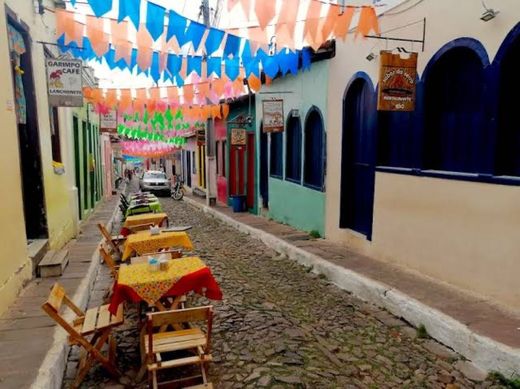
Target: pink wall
[(107, 171), (220, 135)]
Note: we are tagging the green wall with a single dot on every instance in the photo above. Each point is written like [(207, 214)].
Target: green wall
[(297, 206)]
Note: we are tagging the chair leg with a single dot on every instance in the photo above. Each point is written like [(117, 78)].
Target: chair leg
[(154, 379)]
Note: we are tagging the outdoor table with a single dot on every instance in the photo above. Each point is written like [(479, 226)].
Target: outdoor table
[(144, 242), (145, 218), (154, 207), (138, 283)]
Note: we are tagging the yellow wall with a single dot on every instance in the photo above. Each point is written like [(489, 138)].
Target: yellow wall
[(15, 266), (61, 221), (467, 234)]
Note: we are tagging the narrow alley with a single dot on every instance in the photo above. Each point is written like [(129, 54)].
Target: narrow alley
[(281, 326)]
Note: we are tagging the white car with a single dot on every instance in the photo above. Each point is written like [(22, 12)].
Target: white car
[(155, 181)]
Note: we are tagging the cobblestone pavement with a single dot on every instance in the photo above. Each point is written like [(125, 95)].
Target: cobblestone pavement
[(281, 326)]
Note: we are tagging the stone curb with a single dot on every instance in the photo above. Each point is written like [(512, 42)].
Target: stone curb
[(50, 373), (483, 352)]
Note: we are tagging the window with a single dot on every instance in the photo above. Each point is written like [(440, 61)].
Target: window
[(396, 139), (507, 154), (193, 163), (223, 154), (293, 154), (276, 154), (454, 112), (314, 150), (55, 134)]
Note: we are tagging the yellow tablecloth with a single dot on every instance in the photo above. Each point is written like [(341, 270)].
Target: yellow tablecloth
[(144, 218), (151, 286), (144, 242)]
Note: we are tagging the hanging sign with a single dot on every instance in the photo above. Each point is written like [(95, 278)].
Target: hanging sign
[(238, 137), (201, 137), (108, 121), (64, 82), (272, 112), (397, 84)]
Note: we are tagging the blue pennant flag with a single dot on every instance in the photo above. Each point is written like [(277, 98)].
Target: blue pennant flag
[(293, 59), (270, 65), (61, 44), (213, 40), (306, 58), (130, 8), (154, 68), (232, 68), (246, 52), (252, 66), (232, 46), (174, 64), (88, 52), (176, 27), (155, 20), (214, 66), (179, 80), (194, 34), (100, 7), (110, 58), (133, 59), (194, 65)]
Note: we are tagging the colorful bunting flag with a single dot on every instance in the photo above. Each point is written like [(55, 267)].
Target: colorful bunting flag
[(155, 20), (130, 8)]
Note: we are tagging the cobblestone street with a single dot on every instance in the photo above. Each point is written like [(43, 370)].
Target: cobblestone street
[(282, 326)]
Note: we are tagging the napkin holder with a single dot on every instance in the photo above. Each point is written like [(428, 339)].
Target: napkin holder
[(154, 230), (154, 265)]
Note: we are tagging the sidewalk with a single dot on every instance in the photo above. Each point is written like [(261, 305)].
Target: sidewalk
[(27, 334), (478, 330)]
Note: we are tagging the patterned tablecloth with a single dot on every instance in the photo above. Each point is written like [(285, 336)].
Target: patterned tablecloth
[(145, 218), (144, 242), (153, 207), (138, 283)]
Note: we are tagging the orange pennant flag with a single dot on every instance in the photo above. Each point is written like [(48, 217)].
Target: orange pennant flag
[(268, 80), (343, 23), (218, 86), (96, 35), (231, 4), (258, 35), (125, 100), (64, 24), (313, 15), (122, 45), (215, 111), (254, 83), (144, 48), (225, 111), (367, 22), (111, 98), (173, 95), (188, 93), (203, 90), (238, 86), (265, 12), (96, 96), (330, 21), (87, 92)]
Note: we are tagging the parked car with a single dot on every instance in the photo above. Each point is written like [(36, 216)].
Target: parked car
[(155, 181)]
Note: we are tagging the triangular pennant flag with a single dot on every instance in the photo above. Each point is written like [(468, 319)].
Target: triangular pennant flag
[(246, 6), (154, 68), (265, 12), (130, 8), (173, 95), (367, 22), (177, 27), (232, 68), (194, 34), (155, 20), (343, 23), (254, 83), (64, 24), (225, 111), (187, 91), (194, 65), (232, 45), (100, 7), (96, 34), (330, 21), (306, 59), (214, 66), (218, 86), (144, 50), (214, 40)]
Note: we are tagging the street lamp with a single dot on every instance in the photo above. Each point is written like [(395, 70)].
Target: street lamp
[(488, 14)]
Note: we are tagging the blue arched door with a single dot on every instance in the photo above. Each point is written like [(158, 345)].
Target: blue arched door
[(358, 158)]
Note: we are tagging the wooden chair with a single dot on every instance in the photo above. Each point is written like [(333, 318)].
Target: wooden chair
[(114, 242), (96, 323), (193, 341), (109, 261)]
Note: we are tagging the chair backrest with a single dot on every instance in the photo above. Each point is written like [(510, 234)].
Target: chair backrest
[(108, 237), (52, 306), (177, 316), (109, 261)]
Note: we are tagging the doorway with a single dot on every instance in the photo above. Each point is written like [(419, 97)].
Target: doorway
[(358, 158), (188, 168), (250, 200), (28, 134), (264, 163)]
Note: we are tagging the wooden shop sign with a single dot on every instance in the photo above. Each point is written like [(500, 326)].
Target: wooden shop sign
[(397, 82), (238, 137), (272, 116)]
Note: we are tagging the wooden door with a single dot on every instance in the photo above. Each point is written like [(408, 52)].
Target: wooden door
[(250, 170), (358, 158), (237, 170)]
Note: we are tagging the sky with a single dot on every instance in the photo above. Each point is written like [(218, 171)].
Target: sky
[(191, 9)]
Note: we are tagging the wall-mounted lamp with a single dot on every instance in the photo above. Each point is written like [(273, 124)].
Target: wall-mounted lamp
[(489, 13), (295, 113), (371, 56)]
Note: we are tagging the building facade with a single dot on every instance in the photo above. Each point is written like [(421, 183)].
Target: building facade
[(436, 190)]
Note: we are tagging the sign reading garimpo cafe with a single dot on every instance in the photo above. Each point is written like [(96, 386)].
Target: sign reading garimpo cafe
[(272, 116), (397, 82), (108, 121), (64, 82)]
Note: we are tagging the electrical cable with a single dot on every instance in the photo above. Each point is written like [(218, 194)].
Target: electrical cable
[(403, 10)]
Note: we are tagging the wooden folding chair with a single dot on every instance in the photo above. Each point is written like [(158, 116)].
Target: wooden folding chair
[(114, 242), (109, 261), (96, 324), (169, 344)]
